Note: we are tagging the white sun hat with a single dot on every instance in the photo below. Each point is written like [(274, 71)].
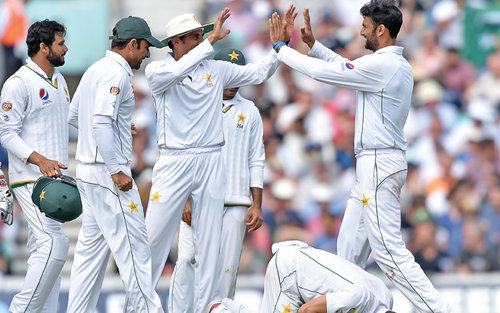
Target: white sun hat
[(183, 24)]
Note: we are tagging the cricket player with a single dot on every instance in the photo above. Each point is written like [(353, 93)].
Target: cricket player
[(300, 278), (187, 90), (383, 82), (34, 131), (243, 153), (113, 217)]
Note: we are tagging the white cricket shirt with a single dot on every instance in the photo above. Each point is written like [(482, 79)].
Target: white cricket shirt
[(383, 81), (34, 113), (105, 89), (243, 151), (188, 94)]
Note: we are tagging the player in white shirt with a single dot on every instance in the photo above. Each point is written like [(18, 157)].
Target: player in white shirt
[(300, 278), (384, 83), (187, 90), (113, 217), (243, 153), (34, 131)]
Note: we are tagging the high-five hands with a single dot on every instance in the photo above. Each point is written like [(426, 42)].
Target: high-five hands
[(218, 33), (288, 22), (306, 31)]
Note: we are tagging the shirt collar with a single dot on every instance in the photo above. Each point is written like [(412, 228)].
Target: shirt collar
[(394, 49), (120, 60), (31, 64)]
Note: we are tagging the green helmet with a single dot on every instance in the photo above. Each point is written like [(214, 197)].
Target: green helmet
[(231, 55), (59, 199)]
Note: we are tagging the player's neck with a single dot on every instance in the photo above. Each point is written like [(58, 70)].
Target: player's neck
[(44, 64)]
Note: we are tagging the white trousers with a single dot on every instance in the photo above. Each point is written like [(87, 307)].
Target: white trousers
[(113, 222), (48, 246), (182, 281), (198, 174), (372, 222)]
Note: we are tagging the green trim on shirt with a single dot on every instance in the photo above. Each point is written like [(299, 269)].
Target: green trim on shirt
[(21, 183)]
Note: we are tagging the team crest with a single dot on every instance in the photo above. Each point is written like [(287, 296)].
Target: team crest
[(44, 94), (114, 90), (241, 120), (287, 309), (6, 106), (208, 78)]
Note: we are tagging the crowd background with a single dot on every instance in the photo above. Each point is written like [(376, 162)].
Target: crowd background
[(451, 199)]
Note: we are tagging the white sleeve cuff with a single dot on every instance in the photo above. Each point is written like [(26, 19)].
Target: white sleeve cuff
[(257, 176)]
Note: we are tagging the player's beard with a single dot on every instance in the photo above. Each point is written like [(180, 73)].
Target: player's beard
[(54, 59), (372, 42)]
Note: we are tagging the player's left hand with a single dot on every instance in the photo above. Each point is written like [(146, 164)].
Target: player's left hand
[(134, 129), (275, 30), (254, 218)]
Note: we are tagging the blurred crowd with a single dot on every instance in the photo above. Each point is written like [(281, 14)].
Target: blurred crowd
[(451, 199)]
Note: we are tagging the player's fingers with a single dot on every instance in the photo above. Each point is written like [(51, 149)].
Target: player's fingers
[(62, 165)]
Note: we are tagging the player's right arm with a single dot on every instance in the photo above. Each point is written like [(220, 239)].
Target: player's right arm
[(15, 98), (107, 103)]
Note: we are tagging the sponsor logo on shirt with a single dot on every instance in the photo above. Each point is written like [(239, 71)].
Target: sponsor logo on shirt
[(349, 66), (6, 118), (6, 106), (114, 90), (44, 94)]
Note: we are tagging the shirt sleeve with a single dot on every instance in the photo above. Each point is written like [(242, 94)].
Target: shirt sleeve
[(162, 75), (363, 74), (319, 51), (102, 129), (73, 109), (109, 94), (256, 154), (350, 297), (14, 101), (250, 74)]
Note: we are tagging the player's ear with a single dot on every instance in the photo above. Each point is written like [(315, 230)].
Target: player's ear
[(381, 29)]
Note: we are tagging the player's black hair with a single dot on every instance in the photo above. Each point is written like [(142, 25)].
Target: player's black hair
[(43, 31), (122, 43), (384, 12), (171, 45)]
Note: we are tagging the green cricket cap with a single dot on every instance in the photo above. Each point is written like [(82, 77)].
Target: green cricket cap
[(231, 55), (59, 199), (133, 27)]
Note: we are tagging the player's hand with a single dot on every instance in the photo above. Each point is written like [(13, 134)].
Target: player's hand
[(6, 201), (275, 28), (134, 129), (317, 305), (48, 168), (123, 181), (288, 22), (218, 33), (306, 31), (254, 218), (186, 214)]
